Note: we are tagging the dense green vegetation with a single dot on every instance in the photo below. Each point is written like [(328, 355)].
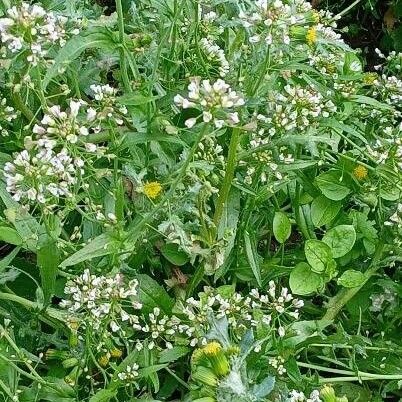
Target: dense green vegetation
[(201, 201)]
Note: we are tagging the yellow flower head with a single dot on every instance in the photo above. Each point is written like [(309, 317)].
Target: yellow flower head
[(116, 353), (360, 172), (212, 348), (152, 189), (311, 36), (103, 360)]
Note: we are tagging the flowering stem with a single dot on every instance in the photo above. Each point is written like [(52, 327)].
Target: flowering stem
[(362, 377), (20, 300), (347, 9), (229, 174), (123, 64)]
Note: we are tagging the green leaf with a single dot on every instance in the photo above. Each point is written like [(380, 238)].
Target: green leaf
[(151, 295), (10, 235), (101, 245), (99, 38), (48, 262), (265, 387), (281, 227), (324, 210), (171, 355), (332, 185), (351, 279), (174, 255), (6, 261), (341, 239), (104, 395), (303, 280), (136, 99), (28, 228), (252, 257), (318, 255)]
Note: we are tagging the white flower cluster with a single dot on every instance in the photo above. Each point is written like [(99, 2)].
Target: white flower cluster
[(296, 107), (58, 124), (215, 54), (387, 149), (33, 29), (161, 328), (7, 115), (270, 21), (107, 108), (298, 396), (216, 100), (278, 364), (99, 299), (275, 309), (130, 374), (43, 176), (389, 89), (73, 125), (392, 62)]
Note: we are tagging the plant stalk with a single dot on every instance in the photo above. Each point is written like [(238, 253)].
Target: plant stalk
[(229, 174)]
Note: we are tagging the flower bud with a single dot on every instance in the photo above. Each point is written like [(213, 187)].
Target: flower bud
[(327, 394), (205, 376)]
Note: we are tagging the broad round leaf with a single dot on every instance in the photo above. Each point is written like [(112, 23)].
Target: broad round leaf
[(173, 254), (282, 227), (303, 280), (332, 185), (324, 210), (341, 239), (318, 255), (351, 279)]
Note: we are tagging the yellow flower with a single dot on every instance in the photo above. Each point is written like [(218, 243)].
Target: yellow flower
[(116, 353), (212, 348), (360, 172), (215, 354), (152, 189), (311, 36), (103, 360)]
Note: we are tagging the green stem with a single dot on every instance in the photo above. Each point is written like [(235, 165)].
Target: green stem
[(229, 174), (347, 9), (123, 63), (337, 303), (22, 107), (362, 377), (20, 300)]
